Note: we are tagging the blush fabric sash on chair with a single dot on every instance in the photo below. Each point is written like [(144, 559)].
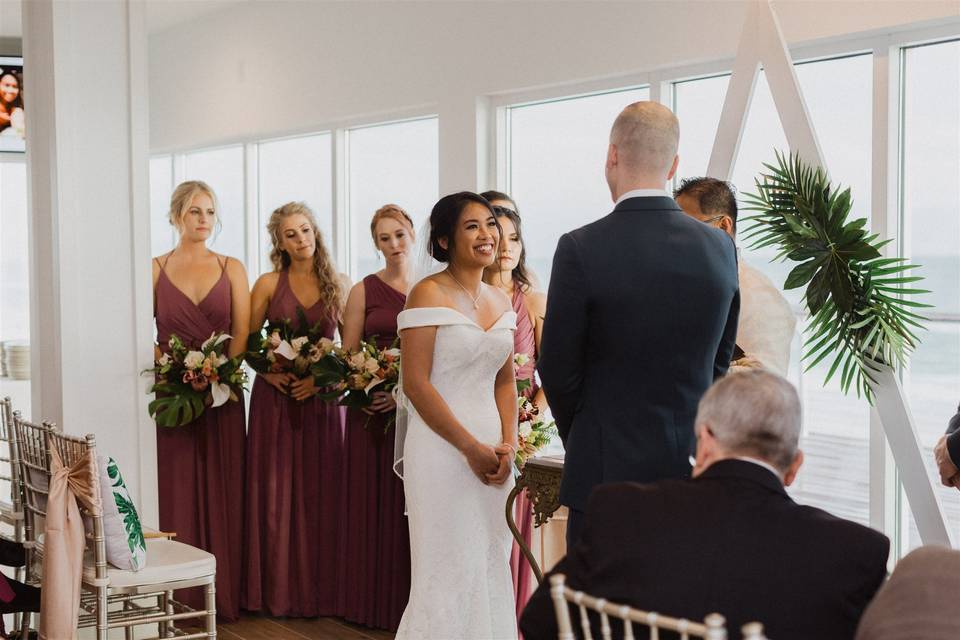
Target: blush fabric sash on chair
[(64, 543)]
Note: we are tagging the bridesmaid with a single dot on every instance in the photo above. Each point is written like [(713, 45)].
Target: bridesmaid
[(375, 547), (510, 275), (200, 465), (296, 439)]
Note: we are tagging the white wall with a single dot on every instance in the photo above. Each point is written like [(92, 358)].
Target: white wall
[(269, 68)]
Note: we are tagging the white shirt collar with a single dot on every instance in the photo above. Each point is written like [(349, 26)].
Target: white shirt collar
[(643, 193), (760, 463)]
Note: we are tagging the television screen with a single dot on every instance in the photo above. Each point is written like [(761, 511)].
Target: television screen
[(12, 129)]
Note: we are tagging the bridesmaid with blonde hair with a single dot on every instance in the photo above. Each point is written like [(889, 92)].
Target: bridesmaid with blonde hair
[(375, 548), (295, 438), (200, 465)]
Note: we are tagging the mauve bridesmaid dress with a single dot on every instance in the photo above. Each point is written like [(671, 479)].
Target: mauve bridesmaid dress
[(200, 465), (375, 544), (294, 459)]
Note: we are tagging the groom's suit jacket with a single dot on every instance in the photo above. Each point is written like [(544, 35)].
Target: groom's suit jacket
[(641, 318)]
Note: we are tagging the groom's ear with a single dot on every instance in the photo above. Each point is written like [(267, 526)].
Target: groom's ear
[(611, 156)]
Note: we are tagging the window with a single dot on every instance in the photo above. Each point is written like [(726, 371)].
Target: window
[(931, 238), (223, 170), (557, 152), (391, 163), (163, 236), (838, 95), (295, 169)]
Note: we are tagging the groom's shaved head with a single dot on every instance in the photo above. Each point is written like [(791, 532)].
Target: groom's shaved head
[(646, 135)]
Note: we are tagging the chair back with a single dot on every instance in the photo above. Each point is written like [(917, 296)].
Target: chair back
[(9, 455), (72, 449), (711, 628), (34, 458)]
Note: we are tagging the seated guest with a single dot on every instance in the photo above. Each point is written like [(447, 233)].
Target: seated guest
[(766, 325), (918, 601), (730, 540)]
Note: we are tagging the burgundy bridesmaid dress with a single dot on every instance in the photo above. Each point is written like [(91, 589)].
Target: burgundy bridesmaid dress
[(293, 481), (524, 342), (375, 544), (200, 464)]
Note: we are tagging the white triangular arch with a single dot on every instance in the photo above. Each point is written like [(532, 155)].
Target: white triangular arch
[(762, 44)]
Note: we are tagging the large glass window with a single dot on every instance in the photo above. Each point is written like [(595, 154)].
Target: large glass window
[(557, 153), (14, 283), (295, 169), (223, 170), (931, 238), (392, 163), (838, 96), (163, 235)]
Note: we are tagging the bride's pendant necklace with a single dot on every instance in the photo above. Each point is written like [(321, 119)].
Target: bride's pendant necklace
[(475, 300)]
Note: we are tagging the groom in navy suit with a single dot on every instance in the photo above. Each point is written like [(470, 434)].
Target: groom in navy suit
[(641, 319)]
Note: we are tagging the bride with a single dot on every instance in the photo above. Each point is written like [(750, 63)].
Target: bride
[(461, 435)]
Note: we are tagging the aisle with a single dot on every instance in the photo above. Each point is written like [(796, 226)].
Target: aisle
[(251, 627)]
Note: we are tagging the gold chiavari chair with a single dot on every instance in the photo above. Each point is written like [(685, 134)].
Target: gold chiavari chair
[(11, 513), (712, 628), (113, 598)]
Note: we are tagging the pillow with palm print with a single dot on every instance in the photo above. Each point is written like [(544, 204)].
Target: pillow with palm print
[(123, 535)]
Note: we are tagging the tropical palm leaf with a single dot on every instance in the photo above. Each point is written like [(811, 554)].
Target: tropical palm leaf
[(858, 313)]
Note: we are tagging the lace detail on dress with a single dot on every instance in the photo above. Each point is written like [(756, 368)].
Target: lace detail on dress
[(459, 541)]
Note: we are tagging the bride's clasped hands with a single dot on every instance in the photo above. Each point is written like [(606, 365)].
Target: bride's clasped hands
[(492, 465)]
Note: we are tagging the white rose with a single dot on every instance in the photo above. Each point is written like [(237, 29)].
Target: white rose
[(357, 360), (393, 353), (326, 345), (521, 359), (371, 365), (194, 360), (525, 429), (298, 343)]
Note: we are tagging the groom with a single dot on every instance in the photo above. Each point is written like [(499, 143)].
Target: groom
[(641, 319)]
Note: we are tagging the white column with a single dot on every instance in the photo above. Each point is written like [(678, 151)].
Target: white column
[(91, 294), (465, 154)]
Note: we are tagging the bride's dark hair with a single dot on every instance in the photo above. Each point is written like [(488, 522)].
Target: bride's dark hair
[(444, 218)]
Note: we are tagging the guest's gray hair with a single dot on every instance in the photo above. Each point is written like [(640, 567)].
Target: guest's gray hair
[(754, 413), (646, 135)]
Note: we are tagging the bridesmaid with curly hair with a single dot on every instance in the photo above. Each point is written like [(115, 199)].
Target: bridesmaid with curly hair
[(295, 440)]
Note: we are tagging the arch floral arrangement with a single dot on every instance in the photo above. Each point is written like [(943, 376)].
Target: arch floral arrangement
[(855, 295)]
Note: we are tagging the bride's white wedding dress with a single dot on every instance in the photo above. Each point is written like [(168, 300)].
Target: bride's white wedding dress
[(459, 541)]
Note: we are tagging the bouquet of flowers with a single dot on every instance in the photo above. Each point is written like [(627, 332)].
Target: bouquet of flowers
[(188, 381), (533, 430), (281, 348), (356, 375)]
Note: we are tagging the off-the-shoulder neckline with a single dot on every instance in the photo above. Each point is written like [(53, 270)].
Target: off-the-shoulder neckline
[(465, 316)]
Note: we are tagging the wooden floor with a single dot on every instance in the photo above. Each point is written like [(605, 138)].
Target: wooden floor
[(251, 627)]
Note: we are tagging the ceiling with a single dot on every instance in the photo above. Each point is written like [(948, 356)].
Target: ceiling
[(161, 14)]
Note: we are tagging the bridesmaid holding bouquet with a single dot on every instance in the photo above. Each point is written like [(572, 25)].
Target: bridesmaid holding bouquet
[(510, 275), (200, 464), (295, 438), (375, 545)]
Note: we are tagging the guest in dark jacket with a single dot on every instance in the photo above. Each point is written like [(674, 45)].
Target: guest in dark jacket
[(731, 540)]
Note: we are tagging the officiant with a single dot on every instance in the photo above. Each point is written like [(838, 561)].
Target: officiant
[(766, 325)]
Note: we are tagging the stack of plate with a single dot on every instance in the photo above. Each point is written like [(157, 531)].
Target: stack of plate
[(3, 365), (16, 359)]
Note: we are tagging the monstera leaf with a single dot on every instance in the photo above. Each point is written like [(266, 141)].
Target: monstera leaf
[(178, 408), (854, 295)]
